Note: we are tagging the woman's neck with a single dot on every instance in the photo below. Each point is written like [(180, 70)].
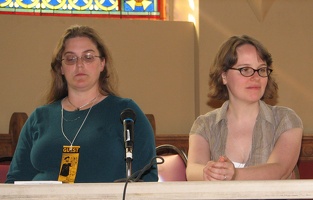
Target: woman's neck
[(88, 104), (82, 100), (243, 111)]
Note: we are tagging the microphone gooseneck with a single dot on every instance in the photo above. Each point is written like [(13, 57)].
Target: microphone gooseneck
[(128, 118)]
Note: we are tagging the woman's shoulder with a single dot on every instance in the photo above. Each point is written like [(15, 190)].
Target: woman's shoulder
[(47, 108), (278, 110), (119, 103), (281, 114), (216, 114), (118, 99)]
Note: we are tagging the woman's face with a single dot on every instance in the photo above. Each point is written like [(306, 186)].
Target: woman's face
[(241, 88), (81, 65)]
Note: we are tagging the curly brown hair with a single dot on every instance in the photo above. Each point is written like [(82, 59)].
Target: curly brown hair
[(226, 58)]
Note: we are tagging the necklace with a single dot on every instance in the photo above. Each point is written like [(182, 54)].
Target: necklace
[(62, 127), (71, 120), (78, 108)]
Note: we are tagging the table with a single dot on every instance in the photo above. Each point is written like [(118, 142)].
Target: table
[(269, 189)]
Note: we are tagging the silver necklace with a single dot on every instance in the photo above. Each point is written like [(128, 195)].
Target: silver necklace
[(62, 127), (71, 120), (80, 107)]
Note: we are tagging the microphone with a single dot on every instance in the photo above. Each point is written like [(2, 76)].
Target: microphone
[(128, 118)]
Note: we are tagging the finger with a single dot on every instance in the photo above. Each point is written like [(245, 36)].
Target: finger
[(226, 159), (221, 159), (210, 178), (215, 174)]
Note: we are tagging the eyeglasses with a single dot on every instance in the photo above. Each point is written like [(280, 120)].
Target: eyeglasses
[(71, 59), (249, 71)]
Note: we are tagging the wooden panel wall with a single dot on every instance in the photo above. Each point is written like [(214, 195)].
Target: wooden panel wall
[(181, 141)]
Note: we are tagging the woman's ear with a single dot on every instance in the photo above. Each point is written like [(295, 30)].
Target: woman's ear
[(224, 78), (62, 72), (102, 64)]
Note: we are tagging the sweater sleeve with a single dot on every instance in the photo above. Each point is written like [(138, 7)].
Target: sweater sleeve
[(21, 168)]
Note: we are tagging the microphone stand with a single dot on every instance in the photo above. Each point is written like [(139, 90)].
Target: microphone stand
[(128, 118), (128, 155), (137, 175), (129, 158)]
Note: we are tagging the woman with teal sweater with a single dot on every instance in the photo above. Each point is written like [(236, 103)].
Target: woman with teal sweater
[(77, 137)]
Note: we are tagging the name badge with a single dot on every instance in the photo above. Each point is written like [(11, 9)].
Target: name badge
[(69, 164)]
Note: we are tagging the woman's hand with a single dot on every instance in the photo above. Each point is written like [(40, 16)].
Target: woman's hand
[(222, 169)]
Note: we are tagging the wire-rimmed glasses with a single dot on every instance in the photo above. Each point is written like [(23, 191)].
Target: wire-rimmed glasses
[(71, 59)]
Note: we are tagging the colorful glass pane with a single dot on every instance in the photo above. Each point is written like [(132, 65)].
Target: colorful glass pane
[(87, 8)]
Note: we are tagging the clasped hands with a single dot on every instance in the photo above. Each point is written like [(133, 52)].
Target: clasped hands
[(222, 169)]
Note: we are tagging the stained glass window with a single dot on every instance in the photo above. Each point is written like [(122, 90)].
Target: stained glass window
[(148, 9)]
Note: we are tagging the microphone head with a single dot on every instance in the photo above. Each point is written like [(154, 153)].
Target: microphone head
[(128, 114)]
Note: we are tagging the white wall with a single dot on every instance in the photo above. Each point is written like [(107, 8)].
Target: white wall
[(286, 30), (167, 75), (154, 59)]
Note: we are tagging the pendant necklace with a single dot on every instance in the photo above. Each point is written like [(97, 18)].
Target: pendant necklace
[(62, 119), (78, 108)]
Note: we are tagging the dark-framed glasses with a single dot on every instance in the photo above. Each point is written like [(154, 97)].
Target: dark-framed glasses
[(249, 71), (71, 59)]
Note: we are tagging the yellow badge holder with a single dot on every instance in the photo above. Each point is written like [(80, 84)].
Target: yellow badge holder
[(69, 164)]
